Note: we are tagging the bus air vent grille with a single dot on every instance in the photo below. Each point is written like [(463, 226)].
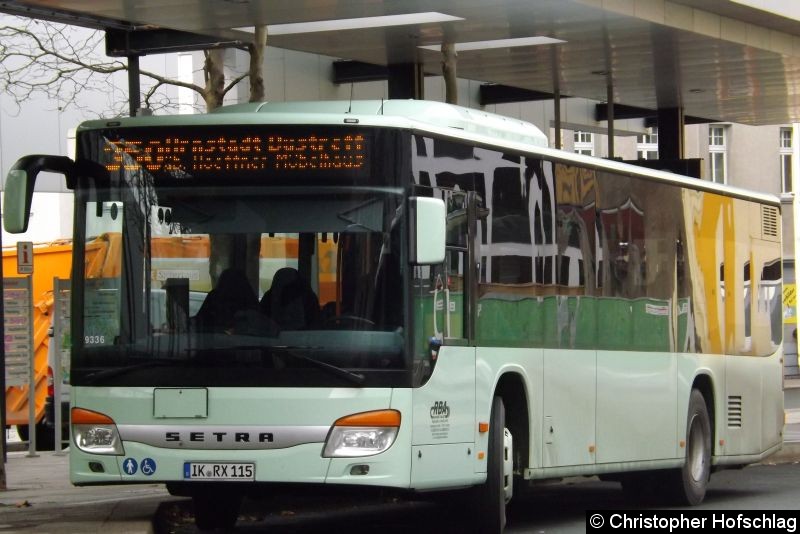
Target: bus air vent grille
[(769, 222), (735, 411)]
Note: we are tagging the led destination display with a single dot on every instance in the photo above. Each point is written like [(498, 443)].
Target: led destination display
[(236, 151)]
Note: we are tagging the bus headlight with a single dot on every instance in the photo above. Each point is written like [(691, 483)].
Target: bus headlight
[(95, 433), (362, 434)]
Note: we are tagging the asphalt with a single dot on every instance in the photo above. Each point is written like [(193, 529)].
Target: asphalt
[(40, 499)]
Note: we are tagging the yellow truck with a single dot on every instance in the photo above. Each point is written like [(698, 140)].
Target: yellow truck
[(50, 260)]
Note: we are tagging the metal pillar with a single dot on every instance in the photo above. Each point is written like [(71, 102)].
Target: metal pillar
[(796, 219), (556, 97), (406, 81), (610, 100), (557, 117), (3, 455), (670, 134), (134, 89)]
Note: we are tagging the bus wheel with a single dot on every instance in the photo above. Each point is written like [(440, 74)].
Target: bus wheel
[(689, 483), (490, 498), (216, 511)]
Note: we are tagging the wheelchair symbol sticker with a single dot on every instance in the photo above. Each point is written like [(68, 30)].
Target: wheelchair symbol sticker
[(148, 466), (130, 466)]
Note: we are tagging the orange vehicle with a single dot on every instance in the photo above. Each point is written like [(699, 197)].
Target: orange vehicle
[(51, 260)]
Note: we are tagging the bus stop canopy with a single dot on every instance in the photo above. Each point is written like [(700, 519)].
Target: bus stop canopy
[(720, 60)]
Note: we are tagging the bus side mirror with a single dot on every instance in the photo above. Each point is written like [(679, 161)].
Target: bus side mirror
[(19, 187), (428, 227)]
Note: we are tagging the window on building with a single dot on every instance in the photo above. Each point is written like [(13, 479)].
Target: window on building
[(786, 159), (584, 143), (717, 154), (647, 144)]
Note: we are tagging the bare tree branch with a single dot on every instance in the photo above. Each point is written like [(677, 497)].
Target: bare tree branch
[(66, 64), (163, 80), (234, 82)]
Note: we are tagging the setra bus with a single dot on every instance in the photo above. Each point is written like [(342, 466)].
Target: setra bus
[(408, 295)]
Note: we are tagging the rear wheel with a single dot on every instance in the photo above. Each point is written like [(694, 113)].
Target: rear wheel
[(216, 512), (688, 484), (490, 498)]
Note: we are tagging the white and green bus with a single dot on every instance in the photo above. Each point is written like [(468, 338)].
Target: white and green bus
[(406, 295)]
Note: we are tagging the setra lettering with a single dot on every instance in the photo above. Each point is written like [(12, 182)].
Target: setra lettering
[(198, 436)]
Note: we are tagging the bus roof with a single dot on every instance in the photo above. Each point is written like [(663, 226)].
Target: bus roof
[(417, 114), (424, 116)]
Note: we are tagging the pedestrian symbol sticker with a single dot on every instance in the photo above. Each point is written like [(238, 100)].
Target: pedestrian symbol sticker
[(130, 466), (148, 466)]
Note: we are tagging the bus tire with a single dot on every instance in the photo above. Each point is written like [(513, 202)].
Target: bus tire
[(689, 483), (216, 511), (489, 499)]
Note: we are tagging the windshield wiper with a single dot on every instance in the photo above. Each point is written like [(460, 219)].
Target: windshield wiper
[(354, 378), (290, 350), (91, 378)]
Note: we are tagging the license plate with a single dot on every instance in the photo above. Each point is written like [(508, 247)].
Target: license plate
[(218, 471)]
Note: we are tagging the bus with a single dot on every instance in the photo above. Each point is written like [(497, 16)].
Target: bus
[(411, 296)]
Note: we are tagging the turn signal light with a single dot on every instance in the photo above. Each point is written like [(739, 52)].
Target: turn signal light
[(81, 416)]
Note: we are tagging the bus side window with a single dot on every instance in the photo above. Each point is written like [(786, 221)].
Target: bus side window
[(454, 290)]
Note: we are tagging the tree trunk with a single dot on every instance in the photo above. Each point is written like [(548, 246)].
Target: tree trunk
[(257, 49), (449, 60), (214, 70)]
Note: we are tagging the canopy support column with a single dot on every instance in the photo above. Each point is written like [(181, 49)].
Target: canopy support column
[(134, 89), (405, 81), (670, 134)]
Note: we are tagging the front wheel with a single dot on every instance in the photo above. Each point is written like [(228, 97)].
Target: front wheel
[(491, 497), (213, 512)]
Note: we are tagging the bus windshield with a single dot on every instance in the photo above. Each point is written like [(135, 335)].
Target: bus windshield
[(241, 286)]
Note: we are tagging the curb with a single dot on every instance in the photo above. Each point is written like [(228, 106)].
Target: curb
[(790, 453)]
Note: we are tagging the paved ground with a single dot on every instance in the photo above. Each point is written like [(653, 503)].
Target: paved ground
[(40, 499)]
